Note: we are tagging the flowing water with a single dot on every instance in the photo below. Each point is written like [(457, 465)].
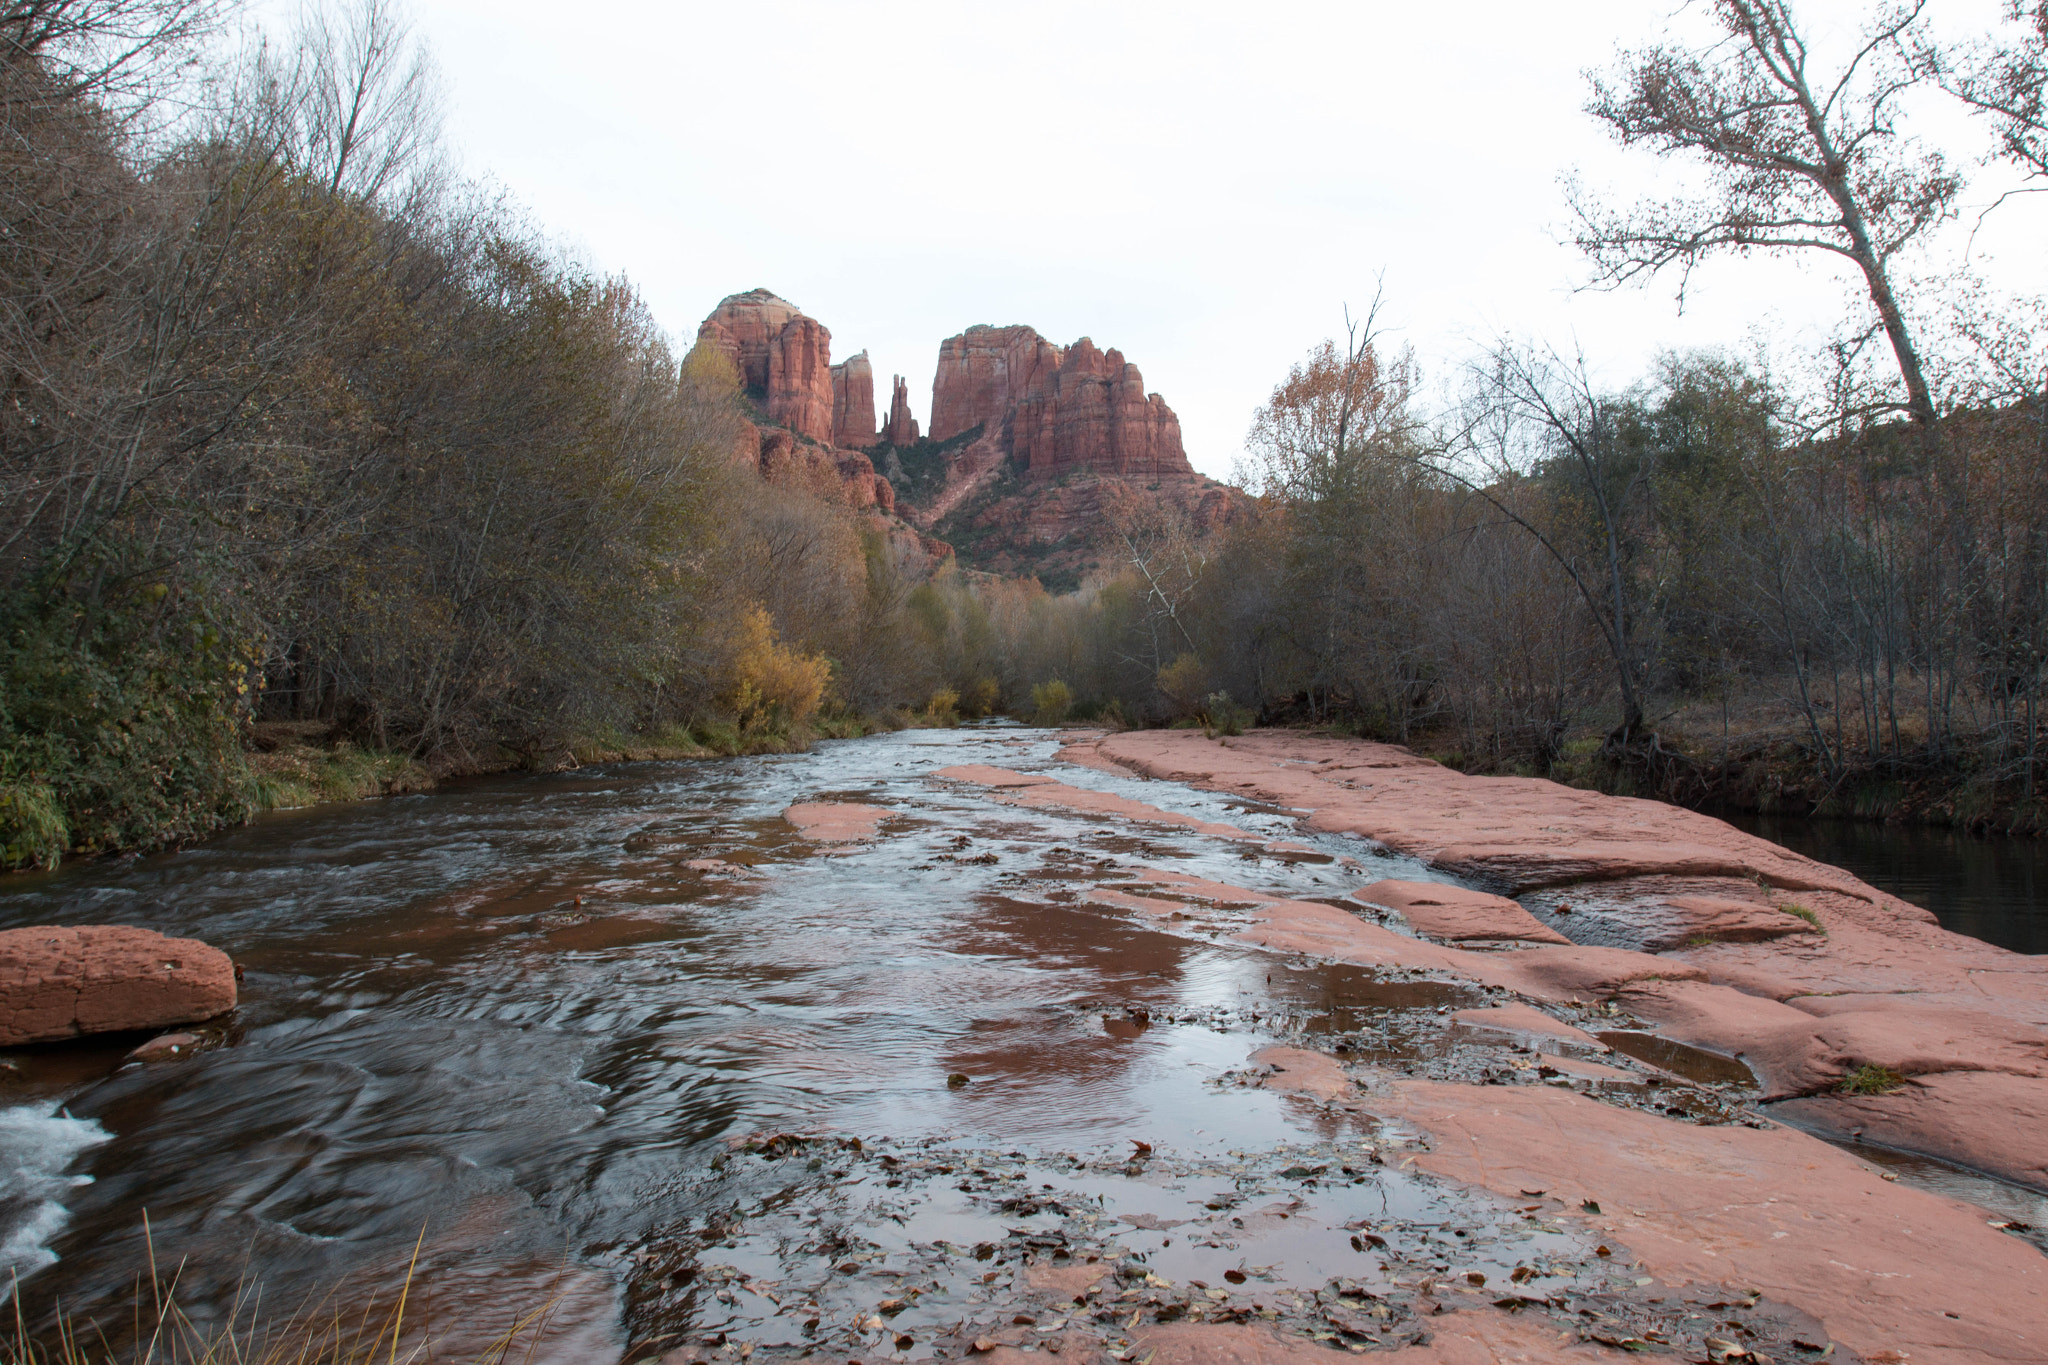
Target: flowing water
[(623, 1042), (1993, 888)]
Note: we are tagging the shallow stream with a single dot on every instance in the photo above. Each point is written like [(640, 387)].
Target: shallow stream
[(622, 1042)]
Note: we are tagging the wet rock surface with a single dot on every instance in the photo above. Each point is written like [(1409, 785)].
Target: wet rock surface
[(837, 1248), (1709, 906), (63, 981), (938, 1046)]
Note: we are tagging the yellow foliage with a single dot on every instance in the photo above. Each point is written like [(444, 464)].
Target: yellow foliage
[(774, 683), (1050, 702), (980, 697), (944, 705), (1180, 682)]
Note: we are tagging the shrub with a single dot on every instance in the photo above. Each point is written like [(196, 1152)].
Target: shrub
[(1180, 682), (776, 687), (33, 830), (943, 708), (980, 697), (1871, 1080), (1051, 700), (1223, 716), (119, 725)]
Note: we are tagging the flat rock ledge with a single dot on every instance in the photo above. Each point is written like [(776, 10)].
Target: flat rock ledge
[(64, 981)]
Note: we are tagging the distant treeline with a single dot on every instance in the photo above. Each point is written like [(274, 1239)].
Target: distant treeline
[(1550, 563)]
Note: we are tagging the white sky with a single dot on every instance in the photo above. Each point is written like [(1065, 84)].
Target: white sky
[(1203, 186)]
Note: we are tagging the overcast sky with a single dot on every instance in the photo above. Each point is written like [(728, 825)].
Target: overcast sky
[(1204, 186)]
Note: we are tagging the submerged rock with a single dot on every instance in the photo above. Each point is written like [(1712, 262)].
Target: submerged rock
[(63, 981)]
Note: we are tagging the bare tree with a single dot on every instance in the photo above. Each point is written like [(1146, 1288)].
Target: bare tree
[(1533, 407), (2006, 81), (363, 95), (1798, 159), (105, 50)]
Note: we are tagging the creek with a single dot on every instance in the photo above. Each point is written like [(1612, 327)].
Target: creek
[(1993, 888), (623, 1042)]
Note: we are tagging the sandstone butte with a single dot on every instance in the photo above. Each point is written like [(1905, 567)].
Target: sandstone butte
[(1055, 410), (1075, 421), (60, 982), (819, 415), (1895, 1273)]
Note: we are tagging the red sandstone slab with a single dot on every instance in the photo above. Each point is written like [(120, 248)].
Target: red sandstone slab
[(1452, 912), (1957, 1016), (1985, 1120), (62, 981), (836, 822), (1886, 1267)]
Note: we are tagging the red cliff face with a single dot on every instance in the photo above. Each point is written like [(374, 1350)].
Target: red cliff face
[(902, 428), (784, 359), (853, 404), (984, 373), (1055, 411)]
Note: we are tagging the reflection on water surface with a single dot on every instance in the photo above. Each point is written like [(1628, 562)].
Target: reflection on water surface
[(624, 1039), (1995, 889)]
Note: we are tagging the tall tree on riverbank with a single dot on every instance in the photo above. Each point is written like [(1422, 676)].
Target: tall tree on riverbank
[(1798, 157)]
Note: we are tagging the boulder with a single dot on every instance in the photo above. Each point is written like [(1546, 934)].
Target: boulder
[(63, 981)]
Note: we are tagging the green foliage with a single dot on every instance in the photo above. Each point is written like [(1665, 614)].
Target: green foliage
[(1871, 1080), (307, 777), (1222, 716), (33, 831), (119, 724), (1801, 912)]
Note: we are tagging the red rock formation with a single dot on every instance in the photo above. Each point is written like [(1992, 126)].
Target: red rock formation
[(984, 373), (63, 981), (784, 358), (1055, 411), (853, 404), (845, 475), (902, 427)]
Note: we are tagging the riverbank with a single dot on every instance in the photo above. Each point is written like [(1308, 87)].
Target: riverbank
[(297, 765), (1766, 767)]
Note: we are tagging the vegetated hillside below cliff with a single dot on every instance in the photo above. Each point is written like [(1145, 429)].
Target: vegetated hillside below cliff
[(1033, 454)]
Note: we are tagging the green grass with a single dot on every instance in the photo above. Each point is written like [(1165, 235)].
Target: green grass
[(1871, 1080), (33, 830), (291, 778), (1798, 911)]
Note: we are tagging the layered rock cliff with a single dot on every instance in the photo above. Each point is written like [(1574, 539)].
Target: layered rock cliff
[(784, 359), (853, 404), (1053, 410), (1030, 449)]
